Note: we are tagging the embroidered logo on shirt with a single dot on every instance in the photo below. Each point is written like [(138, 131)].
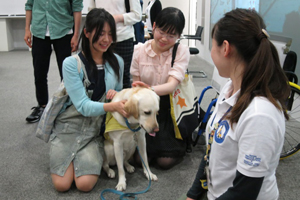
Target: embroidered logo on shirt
[(221, 132), (252, 160)]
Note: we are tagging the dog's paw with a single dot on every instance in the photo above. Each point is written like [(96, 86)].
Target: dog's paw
[(152, 176), (130, 168), (111, 173), (121, 186)]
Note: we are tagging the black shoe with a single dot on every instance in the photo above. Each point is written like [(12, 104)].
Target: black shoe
[(35, 115), (189, 148)]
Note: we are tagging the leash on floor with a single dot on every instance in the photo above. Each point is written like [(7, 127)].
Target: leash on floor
[(133, 194)]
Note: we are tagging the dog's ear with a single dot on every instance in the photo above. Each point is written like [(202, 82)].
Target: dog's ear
[(131, 107)]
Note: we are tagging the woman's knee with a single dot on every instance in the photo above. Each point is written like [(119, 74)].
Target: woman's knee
[(168, 162), (61, 184), (86, 183)]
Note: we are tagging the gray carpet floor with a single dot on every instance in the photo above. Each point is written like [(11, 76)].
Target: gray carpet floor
[(24, 159)]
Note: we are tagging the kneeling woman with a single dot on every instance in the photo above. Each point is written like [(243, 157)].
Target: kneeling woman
[(76, 145), (151, 65)]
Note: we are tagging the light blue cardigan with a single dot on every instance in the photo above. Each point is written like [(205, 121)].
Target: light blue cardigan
[(77, 92)]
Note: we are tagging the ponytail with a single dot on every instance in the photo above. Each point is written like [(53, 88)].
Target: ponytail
[(263, 75)]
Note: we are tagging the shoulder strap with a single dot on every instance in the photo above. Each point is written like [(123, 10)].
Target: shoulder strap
[(127, 6), (79, 67), (174, 53)]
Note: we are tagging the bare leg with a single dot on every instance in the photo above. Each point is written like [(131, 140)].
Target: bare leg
[(86, 183), (63, 183)]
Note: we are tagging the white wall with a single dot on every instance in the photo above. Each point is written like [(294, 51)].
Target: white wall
[(12, 7), (203, 19)]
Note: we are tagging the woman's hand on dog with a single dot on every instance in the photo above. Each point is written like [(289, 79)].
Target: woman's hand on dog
[(120, 108), (110, 94), (140, 84), (116, 107)]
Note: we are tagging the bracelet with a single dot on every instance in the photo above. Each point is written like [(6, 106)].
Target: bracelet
[(152, 88)]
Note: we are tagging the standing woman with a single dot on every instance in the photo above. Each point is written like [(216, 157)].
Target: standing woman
[(151, 65), (125, 30), (152, 10), (248, 123), (76, 145)]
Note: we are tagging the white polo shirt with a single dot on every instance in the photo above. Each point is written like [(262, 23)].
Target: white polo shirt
[(252, 147)]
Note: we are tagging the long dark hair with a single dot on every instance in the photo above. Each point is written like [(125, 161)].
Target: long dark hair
[(170, 20), (263, 75), (95, 19)]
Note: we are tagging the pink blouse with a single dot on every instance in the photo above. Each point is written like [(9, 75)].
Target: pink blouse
[(155, 69)]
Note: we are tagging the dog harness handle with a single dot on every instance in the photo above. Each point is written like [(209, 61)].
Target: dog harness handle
[(133, 194)]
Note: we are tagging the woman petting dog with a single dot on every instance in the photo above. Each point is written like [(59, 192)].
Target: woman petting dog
[(151, 66), (76, 145), (248, 123)]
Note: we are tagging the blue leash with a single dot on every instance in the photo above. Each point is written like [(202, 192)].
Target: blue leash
[(133, 194)]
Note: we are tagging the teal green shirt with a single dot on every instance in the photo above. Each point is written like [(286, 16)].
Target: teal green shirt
[(54, 13)]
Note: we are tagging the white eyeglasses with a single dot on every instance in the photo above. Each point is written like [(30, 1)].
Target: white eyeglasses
[(165, 35)]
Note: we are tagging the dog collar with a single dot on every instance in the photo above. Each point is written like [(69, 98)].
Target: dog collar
[(128, 126)]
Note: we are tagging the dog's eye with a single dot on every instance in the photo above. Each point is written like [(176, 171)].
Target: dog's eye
[(147, 112)]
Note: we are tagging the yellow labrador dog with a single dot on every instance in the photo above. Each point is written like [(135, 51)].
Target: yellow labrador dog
[(142, 105)]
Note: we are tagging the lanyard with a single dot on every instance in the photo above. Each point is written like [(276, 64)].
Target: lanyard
[(211, 136)]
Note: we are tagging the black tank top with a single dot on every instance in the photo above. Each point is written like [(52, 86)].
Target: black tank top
[(98, 86)]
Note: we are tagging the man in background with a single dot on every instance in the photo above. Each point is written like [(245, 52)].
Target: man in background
[(56, 24)]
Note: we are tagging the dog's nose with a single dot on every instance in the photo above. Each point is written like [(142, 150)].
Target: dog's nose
[(156, 129)]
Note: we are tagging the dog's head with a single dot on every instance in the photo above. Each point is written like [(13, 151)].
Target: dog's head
[(143, 106)]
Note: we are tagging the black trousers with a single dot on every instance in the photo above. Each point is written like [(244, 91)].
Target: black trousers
[(125, 50), (196, 191), (41, 53)]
